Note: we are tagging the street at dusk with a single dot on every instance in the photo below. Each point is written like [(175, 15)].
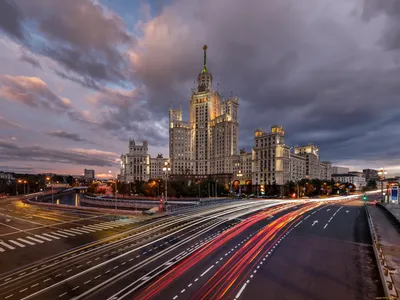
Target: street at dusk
[(187, 149)]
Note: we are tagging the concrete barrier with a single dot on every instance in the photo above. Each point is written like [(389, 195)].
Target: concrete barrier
[(387, 281)]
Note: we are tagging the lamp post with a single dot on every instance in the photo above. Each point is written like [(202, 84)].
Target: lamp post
[(166, 169), (16, 186), (382, 172), (239, 174), (115, 193), (52, 194)]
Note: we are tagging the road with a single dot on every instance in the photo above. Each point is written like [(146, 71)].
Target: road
[(244, 250)]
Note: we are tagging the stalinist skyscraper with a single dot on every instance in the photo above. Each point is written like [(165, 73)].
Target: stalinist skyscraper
[(208, 143)]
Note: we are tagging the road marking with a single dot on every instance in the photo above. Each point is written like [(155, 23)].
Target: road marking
[(46, 279), (98, 276), (86, 282), (328, 209), (206, 271), (307, 217), (347, 211), (67, 233), (240, 291), (69, 270), (33, 285), (23, 290), (176, 296), (59, 234), (7, 245), (36, 240), (77, 287), (43, 238), (315, 222), (52, 236), (183, 291), (9, 296), (63, 294), (26, 242), (190, 284), (59, 274), (78, 231), (325, 225), (70, 231)]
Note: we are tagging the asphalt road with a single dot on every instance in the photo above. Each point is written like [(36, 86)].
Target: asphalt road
[(244, 250), (138, 250)]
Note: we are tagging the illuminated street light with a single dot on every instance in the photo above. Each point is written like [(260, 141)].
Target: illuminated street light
[(382, 172), (166, 169), (115, 194), (52, 194)]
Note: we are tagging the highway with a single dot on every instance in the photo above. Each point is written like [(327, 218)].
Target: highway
[(260, 249)]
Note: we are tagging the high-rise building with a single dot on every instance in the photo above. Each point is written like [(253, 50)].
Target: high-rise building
[(135, 165), (310, 152), (156, 167), (88, 174), (208, 143), (271, 162), (298, 166)]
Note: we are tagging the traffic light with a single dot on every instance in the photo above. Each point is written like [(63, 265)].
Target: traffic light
[(262, 189), (364, 197)]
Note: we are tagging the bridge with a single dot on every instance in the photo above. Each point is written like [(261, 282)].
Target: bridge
[(76, 188)]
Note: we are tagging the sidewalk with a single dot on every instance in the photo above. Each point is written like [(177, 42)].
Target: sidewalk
[(394, 209), (389, 239)]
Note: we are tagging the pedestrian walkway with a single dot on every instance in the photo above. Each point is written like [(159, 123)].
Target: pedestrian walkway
[(59, 233), (394, 209), (389, 239)]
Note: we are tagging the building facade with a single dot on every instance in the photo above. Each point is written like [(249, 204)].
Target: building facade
[(7, 175), (325, 169), (356, 178), (156, 167), (370, 174), (340, 170), (310, 153), (298, 166), (88, 174), (208, 143), (135, 165), (271, 157)]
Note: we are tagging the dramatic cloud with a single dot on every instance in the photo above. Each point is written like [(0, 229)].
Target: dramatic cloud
[(4, 124), (326, 70), (65, 135), (10, 151)]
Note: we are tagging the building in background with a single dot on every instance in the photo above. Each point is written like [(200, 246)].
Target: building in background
[(370, 174), (355, 178), (271, 157), (325, 169), (88, 174), (208, 143), (7, 175), (135, 165), (156, 166), (340, 170), (310, 153), (298, 166)]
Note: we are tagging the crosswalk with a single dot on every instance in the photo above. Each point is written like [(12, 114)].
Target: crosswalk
[(59, 233)]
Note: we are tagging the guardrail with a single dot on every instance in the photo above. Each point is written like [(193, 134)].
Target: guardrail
[(386, 278)]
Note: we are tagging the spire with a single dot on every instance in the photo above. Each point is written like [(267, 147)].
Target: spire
[(205, 70)]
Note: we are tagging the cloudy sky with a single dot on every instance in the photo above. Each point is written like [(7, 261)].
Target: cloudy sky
[(79, 77)]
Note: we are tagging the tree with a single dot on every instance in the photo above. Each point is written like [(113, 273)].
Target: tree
[(371, 184)]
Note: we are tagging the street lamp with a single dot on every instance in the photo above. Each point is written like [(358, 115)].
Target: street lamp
[(52, 194), (16, 186), (239, 174), (115, 193), (166, 169), (382, 172)]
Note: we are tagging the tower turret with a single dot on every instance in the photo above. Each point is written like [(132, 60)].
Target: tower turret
[(204, 79)]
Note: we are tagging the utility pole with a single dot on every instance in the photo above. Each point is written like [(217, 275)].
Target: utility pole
[(166, 169), (382, 172)]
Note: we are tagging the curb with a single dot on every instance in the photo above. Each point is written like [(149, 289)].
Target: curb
[(384, 272), (391, 215)]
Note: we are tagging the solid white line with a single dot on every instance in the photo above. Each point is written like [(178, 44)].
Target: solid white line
[(206, 271), (325, 225), (16, 243), (25, 241), (240, 291), (36, 240), (52, 236), (43, 238), (7, 245)]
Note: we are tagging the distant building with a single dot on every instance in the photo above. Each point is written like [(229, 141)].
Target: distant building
[(356, 178), (370, 174), (271, 162), (325, 169), (135, 165), (298, 166), (156, 167), (88, 174), (7, 175), (340, 170), (310, 152)]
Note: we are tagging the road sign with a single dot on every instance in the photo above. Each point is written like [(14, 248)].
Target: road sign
[(395, 194)]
